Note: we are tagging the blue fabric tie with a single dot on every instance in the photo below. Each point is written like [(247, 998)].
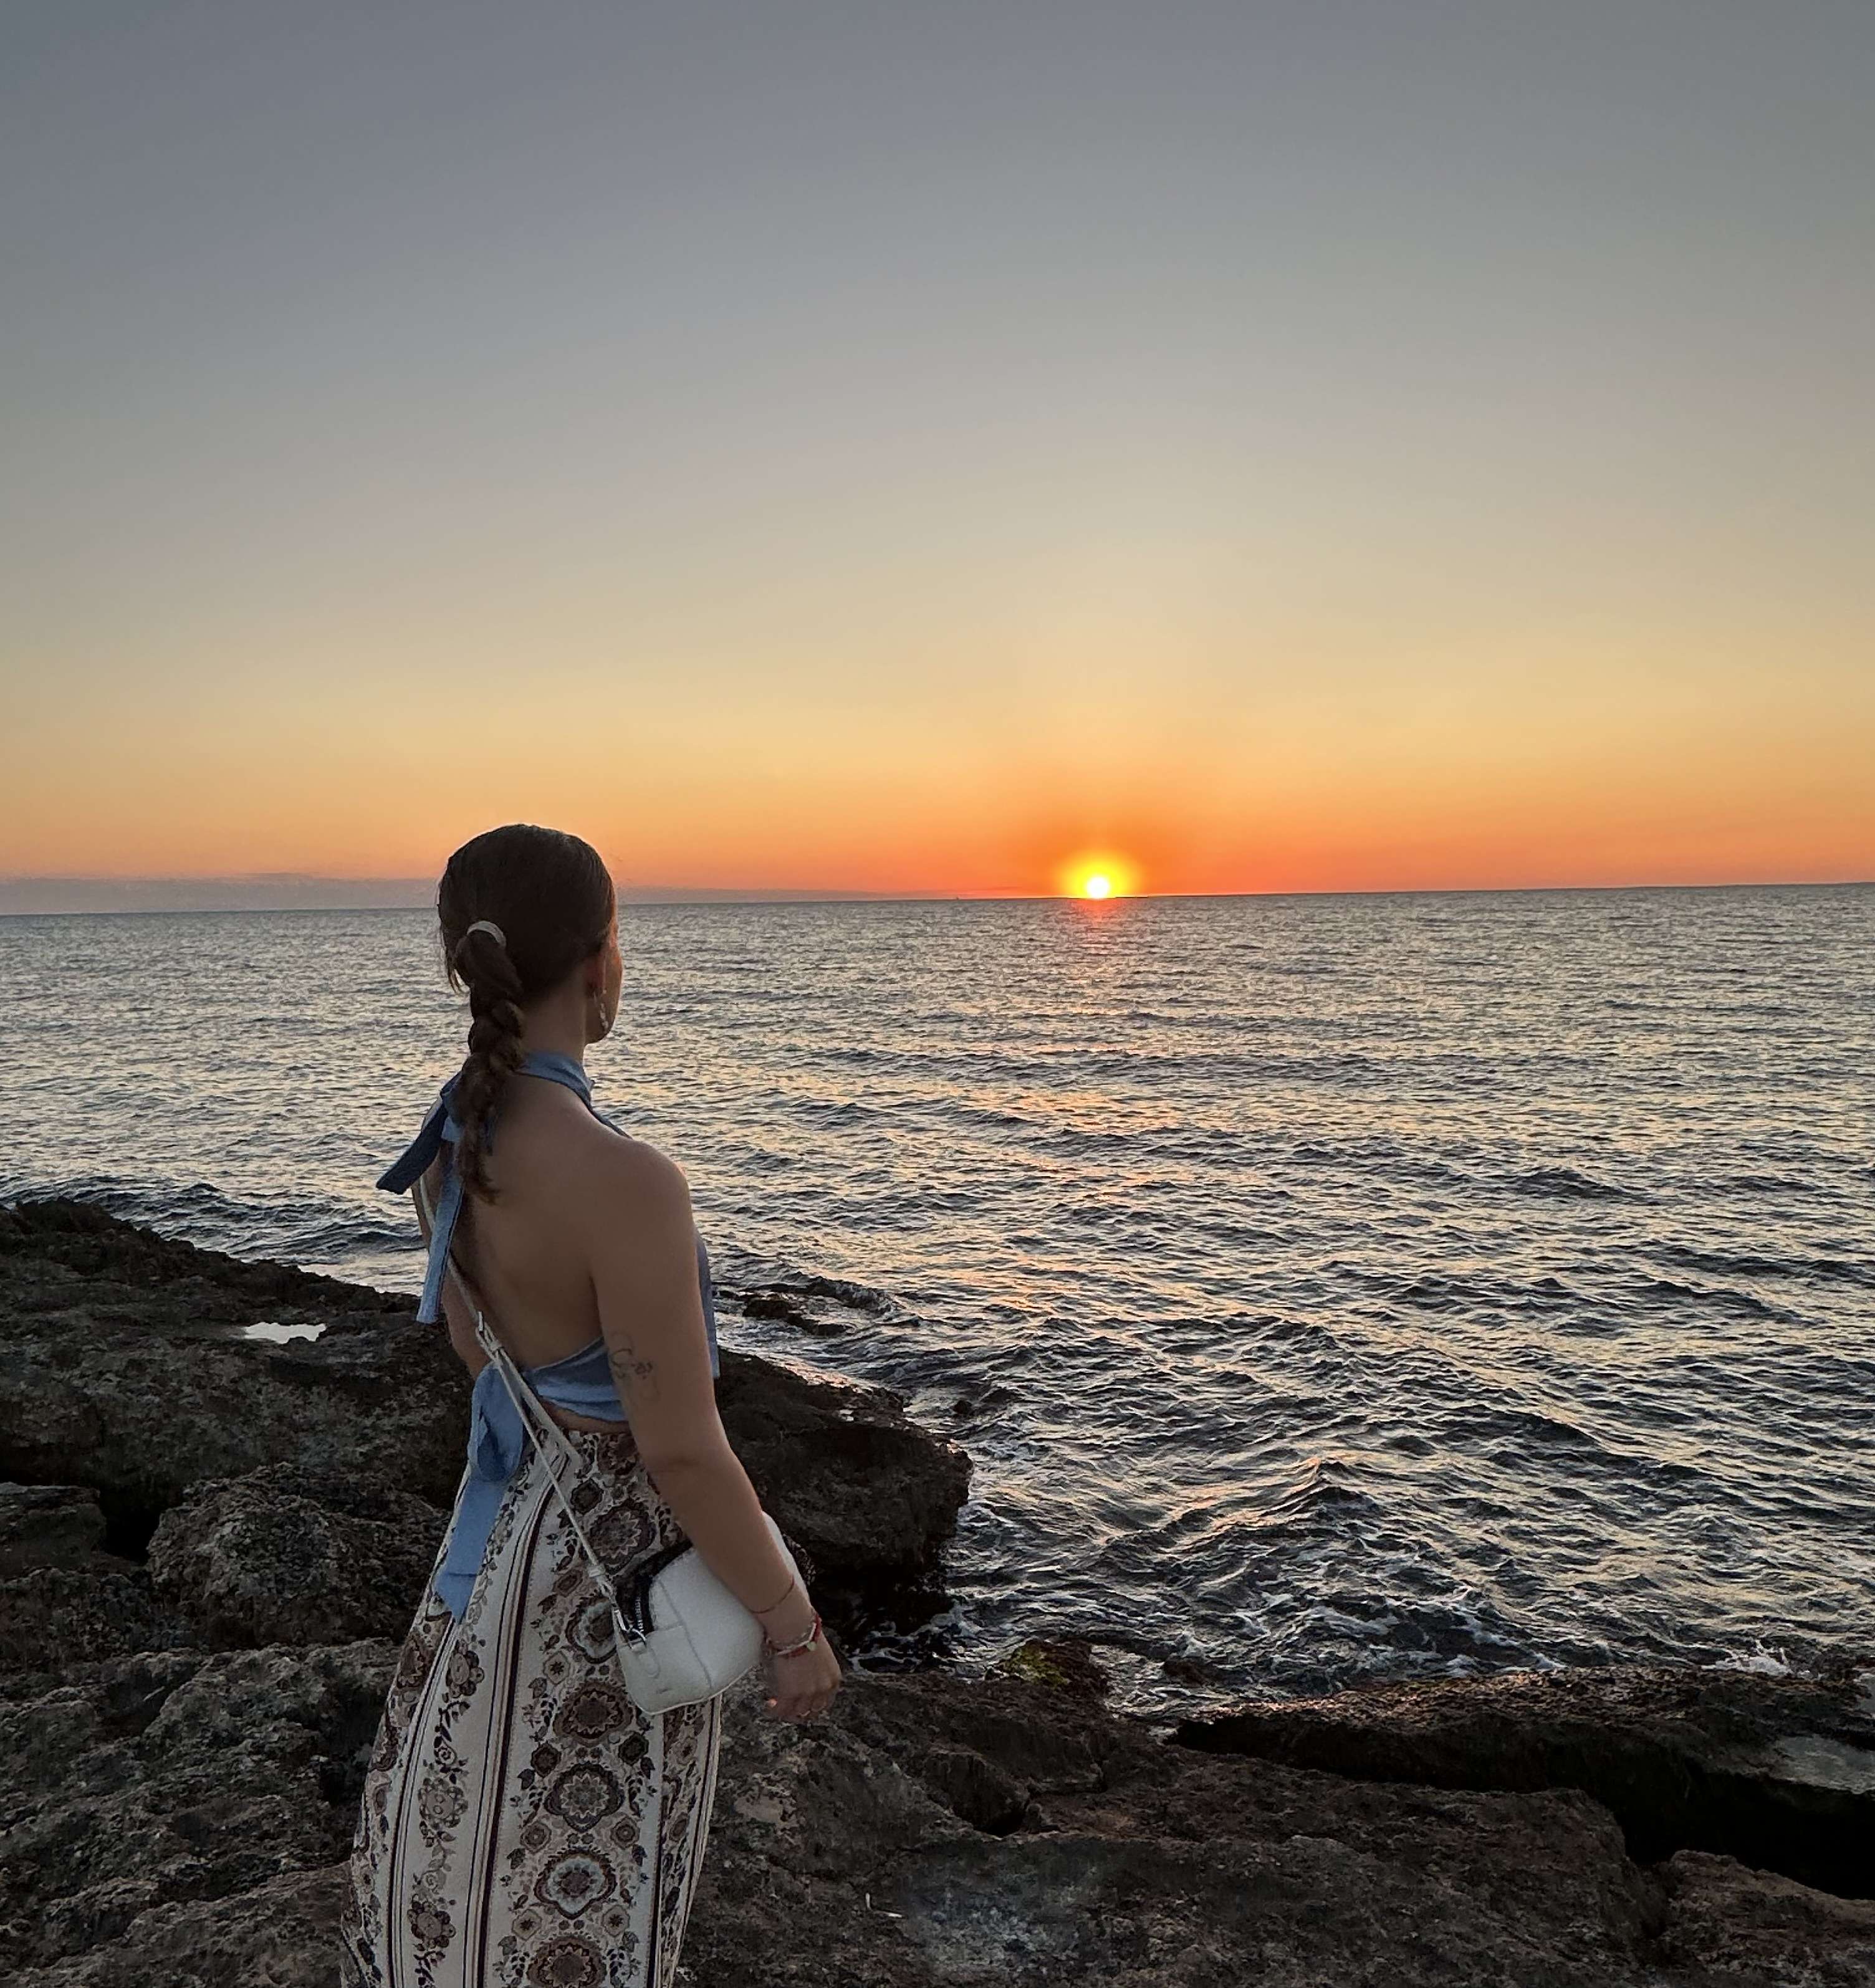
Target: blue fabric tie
[(582, 1382)]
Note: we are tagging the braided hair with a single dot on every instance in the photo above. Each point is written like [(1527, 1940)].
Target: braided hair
[(551, 897)]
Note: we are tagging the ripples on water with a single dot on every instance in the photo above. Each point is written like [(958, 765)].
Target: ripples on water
[(1334, 1286)]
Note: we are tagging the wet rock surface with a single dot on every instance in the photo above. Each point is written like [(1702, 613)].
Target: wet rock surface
[(845, 1472), (123, 1367), (183, 1818), (125, 1372), (1778, 1771), (183, 1742)]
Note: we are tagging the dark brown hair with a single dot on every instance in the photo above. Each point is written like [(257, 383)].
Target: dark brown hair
[(551, 896)]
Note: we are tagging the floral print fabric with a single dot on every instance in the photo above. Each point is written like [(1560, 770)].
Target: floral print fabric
[(523, 1824)]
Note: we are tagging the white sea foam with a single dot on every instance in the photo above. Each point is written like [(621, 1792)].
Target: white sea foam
[(1759, 1662)]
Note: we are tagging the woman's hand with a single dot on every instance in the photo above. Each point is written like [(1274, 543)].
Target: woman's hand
[(804, 1683)]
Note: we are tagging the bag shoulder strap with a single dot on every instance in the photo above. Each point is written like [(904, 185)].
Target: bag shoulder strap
[(542, 1429)]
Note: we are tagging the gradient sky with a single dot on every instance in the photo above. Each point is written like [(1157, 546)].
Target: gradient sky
[(1354, 444)]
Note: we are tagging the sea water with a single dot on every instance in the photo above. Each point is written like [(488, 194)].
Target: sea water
[(1324, 1287)]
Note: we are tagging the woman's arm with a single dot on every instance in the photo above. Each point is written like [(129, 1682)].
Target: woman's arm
[(636, 1214)]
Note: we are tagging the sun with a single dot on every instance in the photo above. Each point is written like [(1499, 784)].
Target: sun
[(1096, 874)]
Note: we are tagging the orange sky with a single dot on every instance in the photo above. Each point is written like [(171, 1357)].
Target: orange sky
[(1289, 453), (1343, 783)]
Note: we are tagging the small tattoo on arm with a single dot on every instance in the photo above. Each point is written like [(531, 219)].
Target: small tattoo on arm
[(632, 1374)]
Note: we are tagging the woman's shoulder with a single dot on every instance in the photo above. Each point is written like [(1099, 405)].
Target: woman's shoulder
[(613, 1162)]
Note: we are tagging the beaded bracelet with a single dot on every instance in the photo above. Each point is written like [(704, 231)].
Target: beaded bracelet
[(800, 1644)]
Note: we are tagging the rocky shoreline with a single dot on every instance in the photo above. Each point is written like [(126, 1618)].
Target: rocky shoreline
[(210, 1544)]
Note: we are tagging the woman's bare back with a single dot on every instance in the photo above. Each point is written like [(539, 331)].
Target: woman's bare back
[(527, 1255)]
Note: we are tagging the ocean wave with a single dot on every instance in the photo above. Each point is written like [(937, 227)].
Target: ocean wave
[(1518, 1432), (284, 1230), (1723, 1297), (1566, 1184), (1361, 1287), (1725, 1263)]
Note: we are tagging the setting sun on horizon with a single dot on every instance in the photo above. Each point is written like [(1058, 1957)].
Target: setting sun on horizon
[(1164, 717), (1312, 457), (1097, 877)]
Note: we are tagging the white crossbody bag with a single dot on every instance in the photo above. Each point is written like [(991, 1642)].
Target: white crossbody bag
[(680, 1635)]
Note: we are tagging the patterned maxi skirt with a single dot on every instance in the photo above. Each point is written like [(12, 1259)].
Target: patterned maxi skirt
[(523, 1823)]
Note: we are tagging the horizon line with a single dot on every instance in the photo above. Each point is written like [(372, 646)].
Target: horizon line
[(677, 895)]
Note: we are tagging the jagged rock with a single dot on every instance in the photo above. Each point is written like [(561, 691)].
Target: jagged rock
[(183, 1819), (124, 1369), (973, 1787), (1729, 1926), (979, 1754), (844, 1471), (1066, 1661), (785, 1306), (48, 1525), (1197, 1671), (168, 1812), (290, 1555), (1778, 1772), (982, 1396), (181, 1816), (55, 1617), (278, 1936), (1133, 1863), (64, 1599)]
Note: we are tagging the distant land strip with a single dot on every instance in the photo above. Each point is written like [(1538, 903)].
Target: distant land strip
[(27, 897), (286, 891)]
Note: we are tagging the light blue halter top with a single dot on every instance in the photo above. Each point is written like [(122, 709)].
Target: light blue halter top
[(581, 1382)]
